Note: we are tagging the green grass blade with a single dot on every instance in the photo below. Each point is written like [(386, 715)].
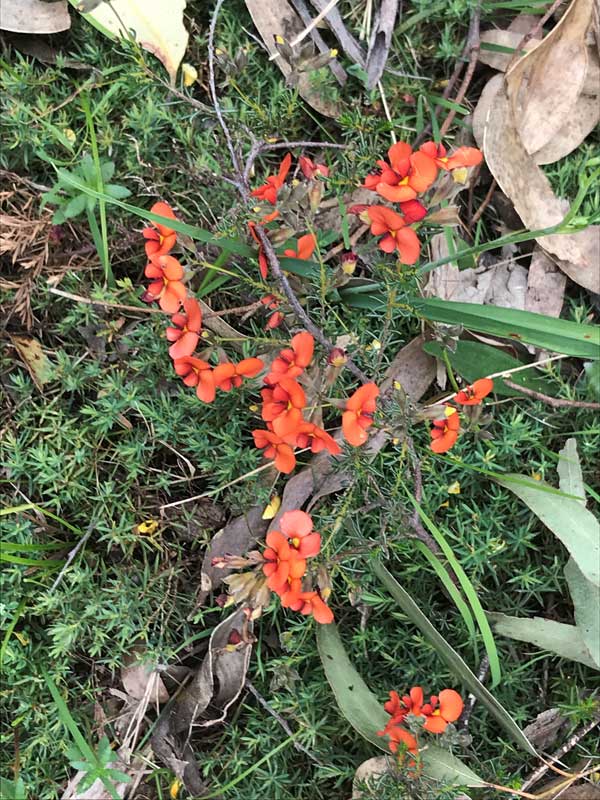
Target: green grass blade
[(468, 589), (30, 562), (15, 547), (451, 657), (557, 335), (445, 578), (10, 629)]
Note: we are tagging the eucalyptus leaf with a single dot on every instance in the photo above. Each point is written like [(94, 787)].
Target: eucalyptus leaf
[(567, 518), (570, 476), (451, 657), (366, 714), (556, 637), (586, 601)]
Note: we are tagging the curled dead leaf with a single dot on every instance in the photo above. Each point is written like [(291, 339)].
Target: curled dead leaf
[(545, 285), (35, 16), (500, 60), (141, 680), (37, 363), (529, 190), (540, 103)]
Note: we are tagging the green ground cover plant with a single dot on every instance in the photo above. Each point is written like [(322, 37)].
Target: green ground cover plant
[(102, 446)]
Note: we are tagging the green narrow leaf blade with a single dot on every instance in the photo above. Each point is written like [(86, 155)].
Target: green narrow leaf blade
[(558, 335), (570, 476), (451, 657), (366, 714), (556, 637)]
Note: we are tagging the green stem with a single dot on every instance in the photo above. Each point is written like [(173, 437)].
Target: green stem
[(449, 370)]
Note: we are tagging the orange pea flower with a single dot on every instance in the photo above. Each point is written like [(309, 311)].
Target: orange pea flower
[(282, 405), (399, 736), (310, 435), (186, 331), (405, 176), (441, 710), (445, 431), (198, 373), (274, 320), (462, 157), (413, 211), (166, 286), (276, 448), (306, 247), (312, 603), (292, 361), (297, 526), (310, 170), (268, 191), (282, 562), (160, 238), (291, 593), (473, 395), (396, 234), (358, 416), (229, 374)]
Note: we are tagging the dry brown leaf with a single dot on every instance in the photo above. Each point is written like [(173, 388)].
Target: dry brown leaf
[(277, 18), (582, 121), (141, 680), (502, 284), (236, 538), (544, 729), (523, 23), (34, 16), (381, 39), (543, 86), (500, 61), (545, 285), (531, 194), (369, 773), (37, 363)]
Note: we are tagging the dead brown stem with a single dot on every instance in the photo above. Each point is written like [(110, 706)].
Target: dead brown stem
[(555, 402)]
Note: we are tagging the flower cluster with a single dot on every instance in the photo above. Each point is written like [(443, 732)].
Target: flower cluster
[(186, 329), (406, 175), (433, 716), (282, 568), (446, 429), (284, 403)]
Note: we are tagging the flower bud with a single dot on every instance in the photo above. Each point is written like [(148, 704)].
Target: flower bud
[(349, 263), (324, 582), (337, 357)]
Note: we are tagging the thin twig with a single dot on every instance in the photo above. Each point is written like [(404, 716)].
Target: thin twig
[(486, 201), (310, 326), (555, 402), (563, 750), (277, 716), (71, 556), (473, 45)]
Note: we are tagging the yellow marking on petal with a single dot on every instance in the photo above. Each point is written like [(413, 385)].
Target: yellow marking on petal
[(459, 175), (272, 508), (449, 410), (454, 488), (296, 541)]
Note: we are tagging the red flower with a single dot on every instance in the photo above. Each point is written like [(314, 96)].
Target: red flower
[(306, 247), (275, 447), (160, 238), (186, 332), (282, 405), (292, 361), (268, 191), (413, 211), (229, 374), (473, 395), (445, 431), (310, 435), (407, 174), (166, 286), (311, 170), (282, 562), (358, 416), (297, 526), (463, 157), (274, 320), (198, 373), (397, 235), (262, 258)]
